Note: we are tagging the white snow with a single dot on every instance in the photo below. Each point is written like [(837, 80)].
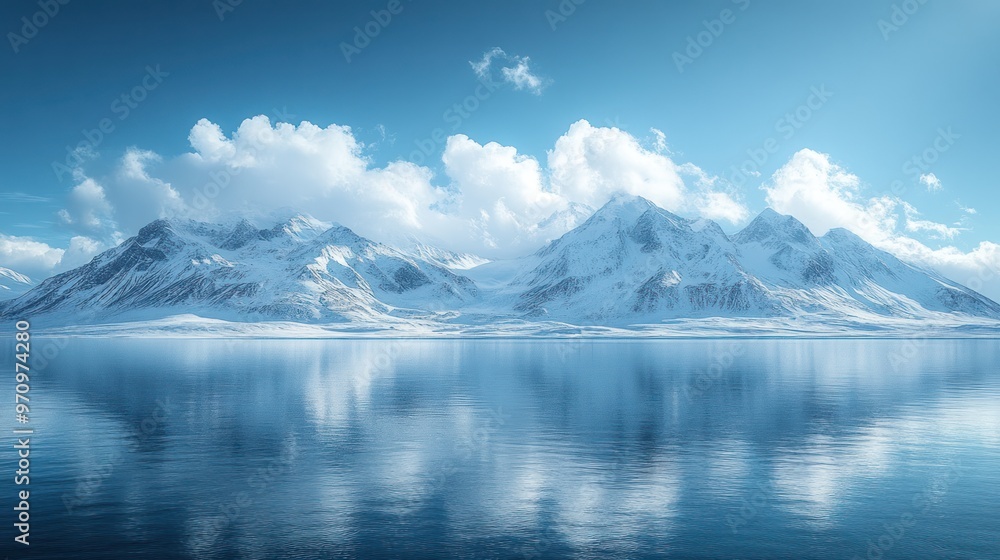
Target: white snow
[(193, 326)]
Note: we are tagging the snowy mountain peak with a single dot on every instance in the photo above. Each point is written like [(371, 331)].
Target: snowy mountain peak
[(243, 233), (844, 237), (626, 199), (632, 258), (565, 220), (626, 206), (772, 228), (155, 230), (300, 227), (630, 212)]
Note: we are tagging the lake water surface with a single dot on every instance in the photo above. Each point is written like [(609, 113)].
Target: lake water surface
[(736, 449)]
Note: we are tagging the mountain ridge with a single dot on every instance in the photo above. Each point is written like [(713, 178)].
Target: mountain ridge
[(631, 262)]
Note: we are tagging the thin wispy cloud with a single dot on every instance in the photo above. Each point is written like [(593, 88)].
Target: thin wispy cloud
[(660, 142), (512, 69), (933, 229), (23, 197)]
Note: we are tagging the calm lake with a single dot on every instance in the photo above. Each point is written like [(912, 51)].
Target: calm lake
[(495, 449)]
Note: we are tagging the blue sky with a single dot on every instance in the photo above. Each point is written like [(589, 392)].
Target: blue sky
[(891, 88)]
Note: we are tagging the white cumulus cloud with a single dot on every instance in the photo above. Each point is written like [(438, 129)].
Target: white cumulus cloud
[(25, 255), (127, 200), (39, 260), (491, 199), (88, 206), (590, 164)]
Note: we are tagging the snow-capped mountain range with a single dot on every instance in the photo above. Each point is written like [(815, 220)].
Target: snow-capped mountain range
[(635, 262), (298, 270), (631, 263)]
